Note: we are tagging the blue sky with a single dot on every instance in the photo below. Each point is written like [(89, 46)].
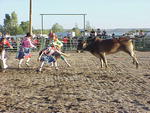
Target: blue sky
[(103, 14)]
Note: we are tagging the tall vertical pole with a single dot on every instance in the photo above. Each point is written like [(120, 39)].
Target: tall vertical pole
[(42, 24), (30, 18), (84, 23), (42, 39)]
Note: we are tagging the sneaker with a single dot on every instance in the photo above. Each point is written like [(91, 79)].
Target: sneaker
[(5, 66), (19, 66), (38, 70), (52, 64), (27, 64), (56, 68)]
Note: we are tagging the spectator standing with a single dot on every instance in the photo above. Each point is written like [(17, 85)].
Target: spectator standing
[(113, 35), (65, 43), (50, 36), (92, 33), (141, 34), (87, 34), (98, 32), (104, 34)]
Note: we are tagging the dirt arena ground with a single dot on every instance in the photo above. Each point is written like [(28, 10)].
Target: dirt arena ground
[(82, 88)]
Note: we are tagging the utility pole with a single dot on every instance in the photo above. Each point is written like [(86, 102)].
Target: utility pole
[(30, 18)]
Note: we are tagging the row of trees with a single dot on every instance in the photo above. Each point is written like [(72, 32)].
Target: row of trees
[(12, 27), (58, 28)]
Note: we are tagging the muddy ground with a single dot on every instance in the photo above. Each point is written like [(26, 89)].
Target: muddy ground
[(84, 87)]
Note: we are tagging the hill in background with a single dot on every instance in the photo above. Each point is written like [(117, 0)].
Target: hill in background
[(124, 30)]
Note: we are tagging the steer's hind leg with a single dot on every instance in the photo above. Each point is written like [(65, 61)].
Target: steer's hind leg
[(130, 51), (132, 54), (103, 57), (100, 58), (102, 63)]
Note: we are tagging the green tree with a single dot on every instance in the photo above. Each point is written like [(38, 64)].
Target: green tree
[(14, 23), (1, 29), (36, 31), (57, 28), (14, 19), (11, 23), (76, 30), (20, 30), (25, 26), (7, 23)]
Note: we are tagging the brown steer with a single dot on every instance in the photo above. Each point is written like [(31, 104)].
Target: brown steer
[(99, 48)]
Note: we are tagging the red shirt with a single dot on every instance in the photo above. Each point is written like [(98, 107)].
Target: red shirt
[(36, 42), (65, 40), (6, 42)]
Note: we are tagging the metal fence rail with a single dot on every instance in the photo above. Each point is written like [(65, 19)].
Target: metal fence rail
[(140, 44)]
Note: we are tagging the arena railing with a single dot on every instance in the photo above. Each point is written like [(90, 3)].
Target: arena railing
[(72, 44)]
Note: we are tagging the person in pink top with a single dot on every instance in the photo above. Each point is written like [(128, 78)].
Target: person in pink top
[(24, 52)]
